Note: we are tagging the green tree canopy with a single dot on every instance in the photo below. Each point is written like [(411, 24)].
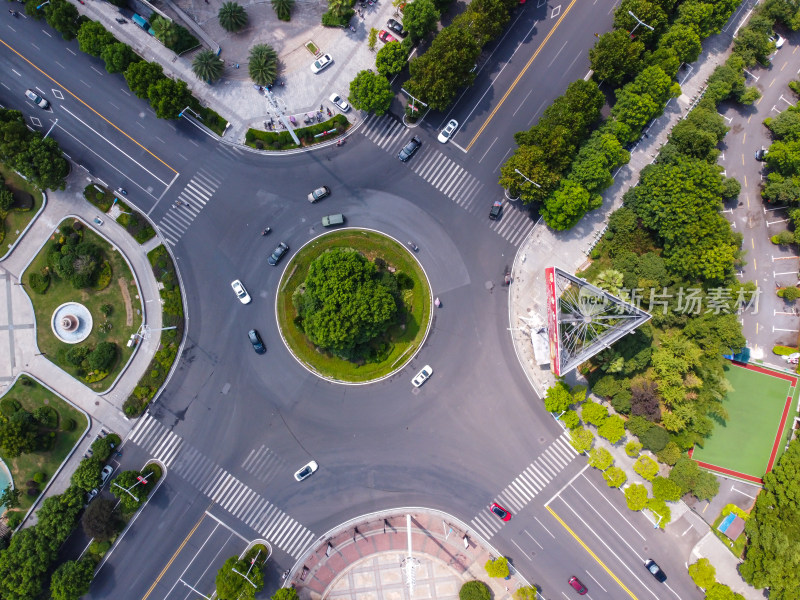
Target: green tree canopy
[(168, 98), (141, 75), (71, 579), (615, 57), (600, 458), (497, 567), (615, 477), (18, 434), (118, 57), (391, 59), (232, 16), (93, 37), (420, 18), (283, 9), (344, 302), (207, 65), (232, 586), (63, 17), (703, 573), (263, 65), (87, 475), (99, 519), (581, 439), (370, 92), (636, 496)]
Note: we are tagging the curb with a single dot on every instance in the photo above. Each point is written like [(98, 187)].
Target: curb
[(27, 227)]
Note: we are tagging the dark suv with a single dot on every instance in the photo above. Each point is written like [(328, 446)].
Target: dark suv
[(258, 343), (277, 254), (409, 149)]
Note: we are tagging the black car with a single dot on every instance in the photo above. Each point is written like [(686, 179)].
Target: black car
[(277, 254), (497, 206), (258, 343), (396, 27), (655, 570), (761, 154), (409, 149)]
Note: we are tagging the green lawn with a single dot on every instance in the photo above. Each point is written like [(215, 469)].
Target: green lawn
[(16, 221), (24, 466), (133, 222), (744, 442), (404, 339), (124, 320)]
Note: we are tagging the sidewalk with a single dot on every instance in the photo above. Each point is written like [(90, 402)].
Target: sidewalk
[(104, 409), (233, 96)]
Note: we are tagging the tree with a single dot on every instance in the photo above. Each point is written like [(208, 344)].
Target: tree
[(594, 413), (166, 31), (615, 57), (43, 162), (71, 579), (18, 434), (283, 9), (370, 92), (9, 498), (118, 57), (661, 511), (558, 398), (497, 567), (684, 41), (527, 592), (688, 475), (666, 489), (232, 586), (534, 163), (103, 356), (58, 516), (581, 439), (703, 573), (636, 496), (207, 66), (567, 205), (644, 399), (474, 590), (99, 519), (391, 59), (420, 18), (633, 448), (102, 448), (93, 37), (263, 66), (615, 477), (650, 13), (720, 591), (612, 429), (63, 17), (23, 565), (345, 303), (600, 458), (141, 75), (670, 453), (87, 475), (127, 480), (646, 467), (655, 439), (168, 98), (372, 38), (232, 16), (570, 419), (285, 594)]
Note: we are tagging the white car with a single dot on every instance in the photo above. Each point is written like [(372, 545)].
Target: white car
[(340, 103), (105, 474), (778, 40), (240, 292), (306, 471), (37, 99), (448, 130), (422, 376), (321, 63)]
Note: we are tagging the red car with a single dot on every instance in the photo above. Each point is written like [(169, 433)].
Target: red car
[(386, 37), (576, 585), (500, 511)]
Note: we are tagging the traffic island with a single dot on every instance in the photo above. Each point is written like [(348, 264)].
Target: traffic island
[(354, 306)]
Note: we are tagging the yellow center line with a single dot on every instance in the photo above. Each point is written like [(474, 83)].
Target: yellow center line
[(594, 556), (516, 81), (174, 556), (71, 93)]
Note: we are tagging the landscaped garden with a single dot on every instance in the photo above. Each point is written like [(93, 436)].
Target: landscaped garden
[(38, 431), (20, 201), (134, 223), (78, 265), (282, 140), (354, 305)]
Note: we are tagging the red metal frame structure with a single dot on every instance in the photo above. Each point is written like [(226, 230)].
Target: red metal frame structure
[(584, 320)]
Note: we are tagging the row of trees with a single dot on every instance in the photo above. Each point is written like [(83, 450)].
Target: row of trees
[(37, 158), (704, 576), (645, 66)]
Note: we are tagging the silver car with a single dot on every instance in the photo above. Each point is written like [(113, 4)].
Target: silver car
[(37, 99), (321, 63), (306, 471), (340, 102)]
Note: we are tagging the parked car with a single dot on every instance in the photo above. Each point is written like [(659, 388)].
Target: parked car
[(319, 193), (258, 343), (386, 37), (422, 376), (447, 132), (277, 254), (330, 220), (397, 27), (655, 570), (761, 154), (241, 293), (576, 585), (323, 62), (306, 471), (497, 207), (37, 99), (105, 474), (778, 40), (340, 102), (500, 512), (410, 149)]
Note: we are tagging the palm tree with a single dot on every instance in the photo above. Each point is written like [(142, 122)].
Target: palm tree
[(207, 66), (263, 65), (283, 8), (166, 31), (232, 16)]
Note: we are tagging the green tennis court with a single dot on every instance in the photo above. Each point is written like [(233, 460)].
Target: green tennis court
[(748, 443)]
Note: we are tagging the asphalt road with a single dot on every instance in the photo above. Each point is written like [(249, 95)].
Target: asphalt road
[(233, 426)]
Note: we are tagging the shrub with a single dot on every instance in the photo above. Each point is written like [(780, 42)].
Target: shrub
[(40, 477), (497, 567), (103, 356), (612, 429), (784, 350), (646, 467), (474, 590), (633, 448), (636, 496), (790, 294), (144, 234), (39, 282), (594, 413), (703, 573), (133, 406), (655, 439), (670, 454), (8, 406), (571, 419), (103, 277), (14, 519), (68, 424), (46, 416), (107, 309)]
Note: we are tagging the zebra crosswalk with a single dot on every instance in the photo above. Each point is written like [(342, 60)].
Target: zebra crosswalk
[(527, 484), (191, 201), (448, 177), (223, 488)]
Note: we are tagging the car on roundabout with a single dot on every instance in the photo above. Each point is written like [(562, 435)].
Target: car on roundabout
[(306, 471), (241, 293), (258, 343), (319, 193), (422, 376), (278, 254)]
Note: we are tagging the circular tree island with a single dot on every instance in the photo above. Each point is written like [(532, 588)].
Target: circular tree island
[(353, 306)]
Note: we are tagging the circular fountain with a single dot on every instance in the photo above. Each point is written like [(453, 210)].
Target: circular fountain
[(71, 322)]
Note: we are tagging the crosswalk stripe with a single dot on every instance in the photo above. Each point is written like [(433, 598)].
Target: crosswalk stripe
[(284, 536), (272, 528), (425, 169), (455, 180), (545, 466), (543, 476), (162, 442), (222, 481), (556, 457), (144, 430), (522, 490), (249, 456), (505, 498), (247, 502), (214, 479), (532, 482), (172, 452), (445, 176), (566, 447), (256, 518), (145, 420), (231, 495), (269, 518), (300, 543)]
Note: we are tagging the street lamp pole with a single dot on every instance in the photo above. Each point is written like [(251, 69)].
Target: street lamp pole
[(245, 575), (51, 129), (139, 479), (638, 22), (518, 172)]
